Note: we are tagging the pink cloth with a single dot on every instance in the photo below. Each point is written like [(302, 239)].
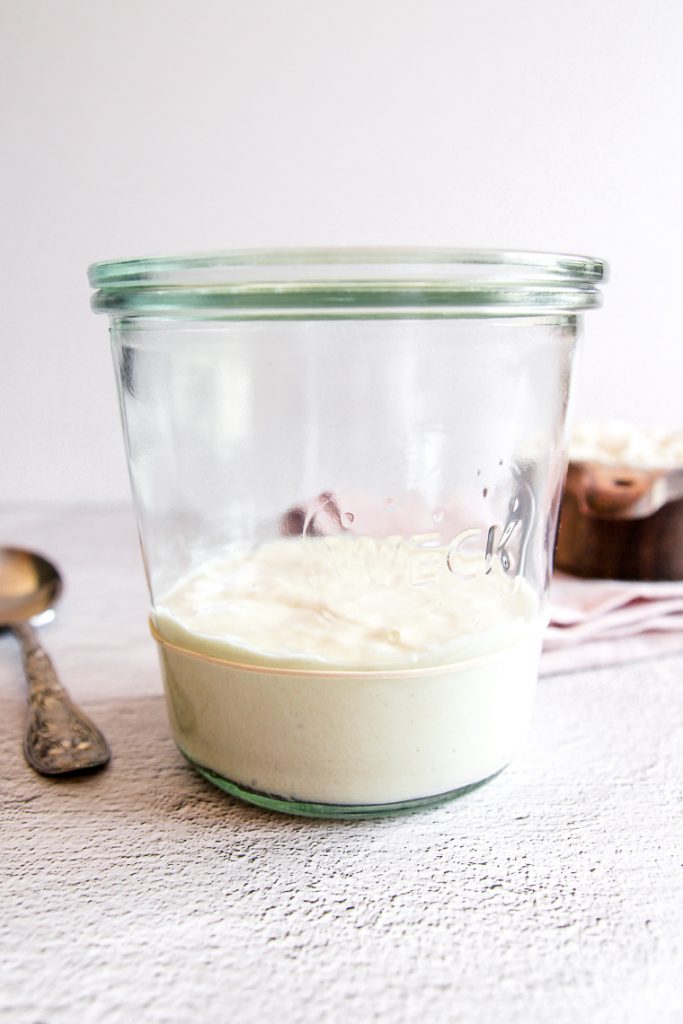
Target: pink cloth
[(605, 622)]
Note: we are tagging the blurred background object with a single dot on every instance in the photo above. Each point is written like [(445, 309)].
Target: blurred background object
[(622, 511), (166, 126)]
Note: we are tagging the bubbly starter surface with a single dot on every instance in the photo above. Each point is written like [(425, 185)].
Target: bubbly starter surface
[(349, 670)]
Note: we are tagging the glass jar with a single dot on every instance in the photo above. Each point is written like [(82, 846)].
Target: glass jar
[(347, 468)]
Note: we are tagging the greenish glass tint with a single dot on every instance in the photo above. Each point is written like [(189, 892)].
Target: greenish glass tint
[(347, 283), (301, 809)]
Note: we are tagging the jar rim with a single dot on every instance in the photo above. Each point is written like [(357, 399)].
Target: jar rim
[(347, 282)]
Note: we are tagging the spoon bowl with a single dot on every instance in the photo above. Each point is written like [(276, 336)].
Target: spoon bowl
[(29, 587), (60, 739)]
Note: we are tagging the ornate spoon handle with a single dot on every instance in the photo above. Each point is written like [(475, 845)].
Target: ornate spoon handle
[(59, 737)]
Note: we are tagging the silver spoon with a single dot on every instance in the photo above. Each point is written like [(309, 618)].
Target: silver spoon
[(60, 739)]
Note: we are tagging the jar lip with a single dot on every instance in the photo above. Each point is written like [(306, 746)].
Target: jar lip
[(346, 279)]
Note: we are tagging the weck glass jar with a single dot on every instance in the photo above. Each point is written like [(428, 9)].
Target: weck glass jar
[(347, 467)]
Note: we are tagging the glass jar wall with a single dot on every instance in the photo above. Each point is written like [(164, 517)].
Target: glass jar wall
[(347, 470)]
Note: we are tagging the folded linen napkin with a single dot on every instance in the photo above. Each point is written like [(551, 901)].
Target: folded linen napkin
[(604, 622)]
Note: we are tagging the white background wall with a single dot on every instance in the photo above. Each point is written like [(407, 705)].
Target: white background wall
[(131, 127)]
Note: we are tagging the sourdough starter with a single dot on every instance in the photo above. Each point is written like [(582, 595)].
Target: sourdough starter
[(349, 670)]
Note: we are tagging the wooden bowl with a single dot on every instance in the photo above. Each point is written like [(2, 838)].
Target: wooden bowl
[(621, 523)]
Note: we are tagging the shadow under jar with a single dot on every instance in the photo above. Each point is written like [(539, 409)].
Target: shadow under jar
[(347, 466)]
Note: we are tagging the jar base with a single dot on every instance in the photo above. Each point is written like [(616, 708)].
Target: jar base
[(306, 809)]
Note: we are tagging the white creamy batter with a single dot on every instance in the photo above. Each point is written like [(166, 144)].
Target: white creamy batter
[(349, 670)]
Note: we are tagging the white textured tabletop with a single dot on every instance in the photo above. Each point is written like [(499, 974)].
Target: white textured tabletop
[(143, 894)]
